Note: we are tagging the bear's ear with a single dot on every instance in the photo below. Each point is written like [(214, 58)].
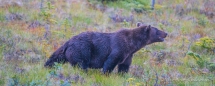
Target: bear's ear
[(139, 24), (148, 28)]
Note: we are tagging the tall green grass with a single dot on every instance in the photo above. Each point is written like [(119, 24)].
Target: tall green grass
[(166, 63)]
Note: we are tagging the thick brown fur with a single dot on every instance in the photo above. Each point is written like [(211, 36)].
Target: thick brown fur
[(106, 50)]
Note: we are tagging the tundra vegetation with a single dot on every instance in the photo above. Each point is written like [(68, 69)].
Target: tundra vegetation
[(31, 30)]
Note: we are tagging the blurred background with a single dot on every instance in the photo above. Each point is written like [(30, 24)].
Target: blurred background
[(31, 30)]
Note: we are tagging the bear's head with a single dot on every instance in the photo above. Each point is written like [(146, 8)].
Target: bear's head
[(58, 56), (153, 34)]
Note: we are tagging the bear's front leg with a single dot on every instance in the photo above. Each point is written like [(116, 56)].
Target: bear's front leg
[(124, 67), (111, 62)]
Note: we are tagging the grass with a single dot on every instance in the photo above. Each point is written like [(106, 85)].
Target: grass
[(24, 49)]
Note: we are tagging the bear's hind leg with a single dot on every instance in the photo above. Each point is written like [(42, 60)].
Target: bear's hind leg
[(83, 65), (85, 55), (77, 59), (79, 54)]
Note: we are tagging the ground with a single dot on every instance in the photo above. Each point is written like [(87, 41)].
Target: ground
[(30, 32)]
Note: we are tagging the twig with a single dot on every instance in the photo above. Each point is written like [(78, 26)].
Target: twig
[(156, 80), (41, 5), (188, 48)]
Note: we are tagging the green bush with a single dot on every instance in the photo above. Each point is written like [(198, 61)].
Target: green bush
[(202, 61), (203, 21), (136, 5), (108, 0), (198, 58), (2, 16), (205, 43)]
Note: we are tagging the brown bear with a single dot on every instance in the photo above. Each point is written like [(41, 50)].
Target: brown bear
[(106, 50)]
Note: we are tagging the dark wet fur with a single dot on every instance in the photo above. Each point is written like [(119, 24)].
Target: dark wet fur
[(106, 50)]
